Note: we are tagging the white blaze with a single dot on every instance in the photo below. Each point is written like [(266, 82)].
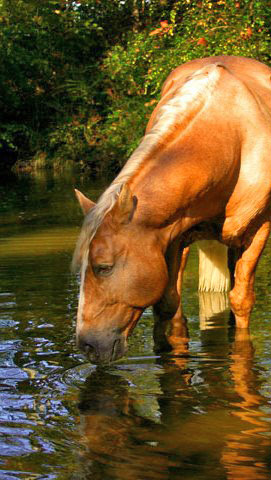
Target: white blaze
[(81, 303)]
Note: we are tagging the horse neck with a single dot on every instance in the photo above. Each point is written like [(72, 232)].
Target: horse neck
[(156, 161), (160, 189)]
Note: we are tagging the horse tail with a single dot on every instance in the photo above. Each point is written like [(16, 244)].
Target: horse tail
[(214, 275)]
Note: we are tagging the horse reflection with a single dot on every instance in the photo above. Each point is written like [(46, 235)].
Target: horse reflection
[(112, 430), (211, 412), (240, 457)]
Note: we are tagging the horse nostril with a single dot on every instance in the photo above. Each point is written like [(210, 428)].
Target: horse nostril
[(88, 348), (84, 345)]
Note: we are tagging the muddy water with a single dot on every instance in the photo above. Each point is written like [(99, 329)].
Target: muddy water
[(202, 415)]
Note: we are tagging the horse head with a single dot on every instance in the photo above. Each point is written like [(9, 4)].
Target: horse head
[(123, 271)]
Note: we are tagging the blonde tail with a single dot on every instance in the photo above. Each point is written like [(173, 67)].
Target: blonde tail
[(214, 275), (212, 306)]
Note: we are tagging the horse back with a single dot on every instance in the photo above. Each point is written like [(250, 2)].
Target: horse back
[(253, 74)]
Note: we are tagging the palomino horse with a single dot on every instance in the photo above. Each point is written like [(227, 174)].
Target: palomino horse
[(201, 172)]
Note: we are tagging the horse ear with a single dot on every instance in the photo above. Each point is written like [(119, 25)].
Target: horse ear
[(125, 205), (85, 203)]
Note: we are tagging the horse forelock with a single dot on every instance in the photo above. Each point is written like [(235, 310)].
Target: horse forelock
[(92, 222), (192, 95)]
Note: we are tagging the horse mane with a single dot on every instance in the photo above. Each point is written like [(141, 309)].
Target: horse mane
[(178, 112)]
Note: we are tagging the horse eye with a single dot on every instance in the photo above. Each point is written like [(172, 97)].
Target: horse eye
[(102, 270)]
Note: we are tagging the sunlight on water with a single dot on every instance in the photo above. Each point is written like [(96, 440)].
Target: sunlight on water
[(205, 414), (53, 240)]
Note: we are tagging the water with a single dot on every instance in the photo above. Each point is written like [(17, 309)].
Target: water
[(202, 415)]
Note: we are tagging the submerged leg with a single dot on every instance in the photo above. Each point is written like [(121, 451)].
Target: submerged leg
[(242, 296), (178, 332), (170, 323)]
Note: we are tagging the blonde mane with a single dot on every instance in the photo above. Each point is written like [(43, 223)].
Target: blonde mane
[(178, 112)]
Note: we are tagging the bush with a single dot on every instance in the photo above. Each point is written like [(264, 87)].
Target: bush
[(80, 79)]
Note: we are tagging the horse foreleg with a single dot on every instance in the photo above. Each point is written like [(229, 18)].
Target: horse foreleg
[(242, 296), (178, 332), (170, 323), (184, 258)]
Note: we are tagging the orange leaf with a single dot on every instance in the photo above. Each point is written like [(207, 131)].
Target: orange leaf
[(155, 32), (164, 24), (202, 41)]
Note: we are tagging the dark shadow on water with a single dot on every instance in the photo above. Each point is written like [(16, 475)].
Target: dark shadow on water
[(212, 419)]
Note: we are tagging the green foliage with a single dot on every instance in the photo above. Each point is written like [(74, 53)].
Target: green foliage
[(50, 75), (79, 80)]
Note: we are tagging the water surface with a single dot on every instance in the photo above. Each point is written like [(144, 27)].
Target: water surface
[(205, 414)]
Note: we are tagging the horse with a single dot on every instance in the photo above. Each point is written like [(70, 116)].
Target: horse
[(202, 172)]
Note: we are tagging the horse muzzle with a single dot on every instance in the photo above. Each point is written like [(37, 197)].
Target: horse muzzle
[(101, 349)]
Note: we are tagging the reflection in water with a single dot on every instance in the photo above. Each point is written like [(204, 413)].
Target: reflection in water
[(247, 453), (112, 431), (39, 243), (213, 421), (202, 412)]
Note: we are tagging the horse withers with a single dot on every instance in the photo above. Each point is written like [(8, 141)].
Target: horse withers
[(201, 172)]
